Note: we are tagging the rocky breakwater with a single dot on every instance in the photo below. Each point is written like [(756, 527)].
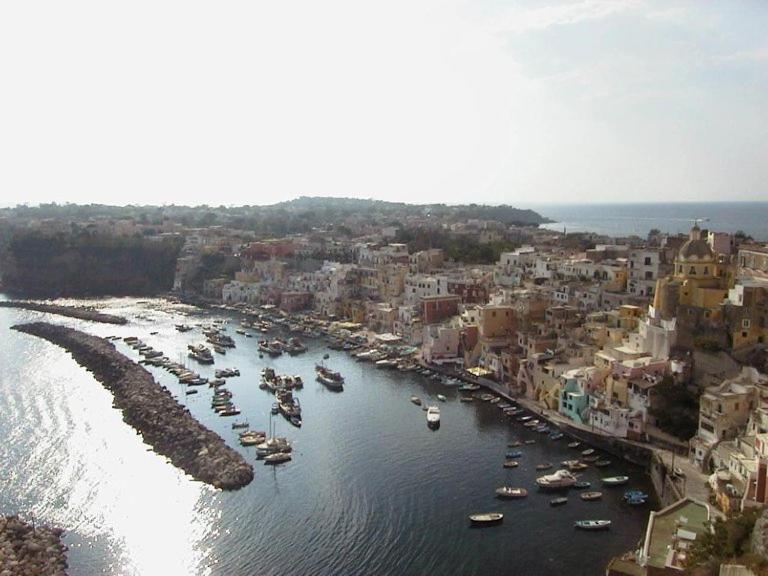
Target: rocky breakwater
[(71, 311), (151, 409), (26, 550)]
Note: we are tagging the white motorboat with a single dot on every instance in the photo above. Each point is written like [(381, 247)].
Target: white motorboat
[(556, 481), (433, 416)]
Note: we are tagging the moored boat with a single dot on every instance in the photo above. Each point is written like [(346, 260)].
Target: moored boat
[(592, 524), (559, 480), (615, 480), (602, 463), (433, 417), (511, 464), (416, 400), (589, 496), (558, 501), (509, 492), (486, 519), (277, 458), (544, 466)]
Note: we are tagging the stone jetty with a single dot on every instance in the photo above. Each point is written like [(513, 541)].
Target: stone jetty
[(151, 409), (27, 550), (71, 311)]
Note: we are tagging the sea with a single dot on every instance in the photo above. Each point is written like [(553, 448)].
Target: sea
[(371, 490), (620, 220)]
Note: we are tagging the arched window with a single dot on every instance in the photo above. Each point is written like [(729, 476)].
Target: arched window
[(680, 268), (706, 269), (692, 271)]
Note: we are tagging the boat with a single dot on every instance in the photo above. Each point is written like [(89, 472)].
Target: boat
[(277, 458), (615, 480), (466, 399), (441, 398), (236, 425), (636, 501), (530, 442), (558, 501), (509, 492), (416, 400), (574, 465), (332, 380), (587, 452), (514, 444), (190, 392), (514, 454), (511, 464), (589, 496), (582, 485), (592, 524), (591, 459), (544, 466), (574, 444), (556, 436), (556, 481), (602, 463), (433, 417), (635, 494), (230, 412), (486, 519), (469, 387)]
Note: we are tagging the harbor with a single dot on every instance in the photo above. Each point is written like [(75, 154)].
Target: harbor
[(370, 487)]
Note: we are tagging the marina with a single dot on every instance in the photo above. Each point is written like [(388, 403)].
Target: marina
[(445, 475)]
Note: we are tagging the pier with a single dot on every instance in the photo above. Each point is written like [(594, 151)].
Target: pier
[(151, 409), (29, 550), (78, 312)]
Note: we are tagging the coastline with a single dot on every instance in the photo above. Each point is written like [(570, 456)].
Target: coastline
[(69, 311), (149, 408), (29, 550)]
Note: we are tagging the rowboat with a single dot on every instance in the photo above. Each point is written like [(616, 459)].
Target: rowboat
[(544, 466), (558, 501), (602, 463), (587, 452), (486, 519), (592, 524), (511, 464), (588, 496), (574, 444), (615, 480)]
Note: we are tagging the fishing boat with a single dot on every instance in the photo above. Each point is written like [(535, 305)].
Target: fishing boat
[(575, 465), (592, 524), (544, 466), (556, 481), (486, 519), (615, 480), (558, 501), (574, 444), (582, 485), (509, 492), (332, 380), (589, 496), (277, 458), (416, 400), (433, 417), (441, 398), (236, 425), (587, 452), (511, 464), (190, 392), (602, 463), (514, 454)]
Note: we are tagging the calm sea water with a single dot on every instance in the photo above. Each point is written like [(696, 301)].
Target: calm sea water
[(371, 490), (638, 219)]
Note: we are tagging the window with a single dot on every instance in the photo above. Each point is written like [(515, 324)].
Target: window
[(649, 275), (706, 269), (745, 323), (692, 271), (647, 260)]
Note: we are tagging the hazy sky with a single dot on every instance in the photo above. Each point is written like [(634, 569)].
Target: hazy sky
[(488, 101)]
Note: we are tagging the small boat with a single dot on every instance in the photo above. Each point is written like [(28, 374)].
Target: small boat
[(544, 466), (433, 417), (416, 400), (556, 436), (636, 501), (486, 519), (236, 425), (190, 392), (275, 408), (592, 524), (591, 459), (557, 481), (514, 454), (230, 412), (635, 494), (582, 485), (558, 501), (277, 458), (509, 492), (587, 452), (514, 444), (511, 464), (441, 398), (615, 480), (530, 442), (574, 444), (466, 399), (602, 463), (589, 496)]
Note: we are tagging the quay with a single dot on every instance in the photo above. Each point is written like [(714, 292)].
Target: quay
[(78, 312), (150, 408)]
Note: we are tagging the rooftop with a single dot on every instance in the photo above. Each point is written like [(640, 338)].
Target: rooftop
[(671, 531)]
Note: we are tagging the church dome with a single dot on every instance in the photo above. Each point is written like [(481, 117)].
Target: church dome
[(696, 248)]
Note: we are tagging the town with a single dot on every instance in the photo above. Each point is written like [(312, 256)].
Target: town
[(652, 348)]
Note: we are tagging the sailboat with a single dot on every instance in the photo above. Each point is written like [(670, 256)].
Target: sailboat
[(273, 444)]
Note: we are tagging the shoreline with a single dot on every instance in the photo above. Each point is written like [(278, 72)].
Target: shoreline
[(29, 550), (69, 311), (150, 409)]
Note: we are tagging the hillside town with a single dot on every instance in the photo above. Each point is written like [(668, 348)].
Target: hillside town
[(653, 343)]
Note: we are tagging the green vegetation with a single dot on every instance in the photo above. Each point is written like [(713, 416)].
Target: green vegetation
[(84, 263), (728, 542), (676, 409), (460, 248)]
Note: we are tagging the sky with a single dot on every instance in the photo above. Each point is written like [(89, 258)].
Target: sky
[(255, 102)]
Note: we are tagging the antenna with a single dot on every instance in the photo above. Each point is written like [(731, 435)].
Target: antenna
[(697, 220)]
